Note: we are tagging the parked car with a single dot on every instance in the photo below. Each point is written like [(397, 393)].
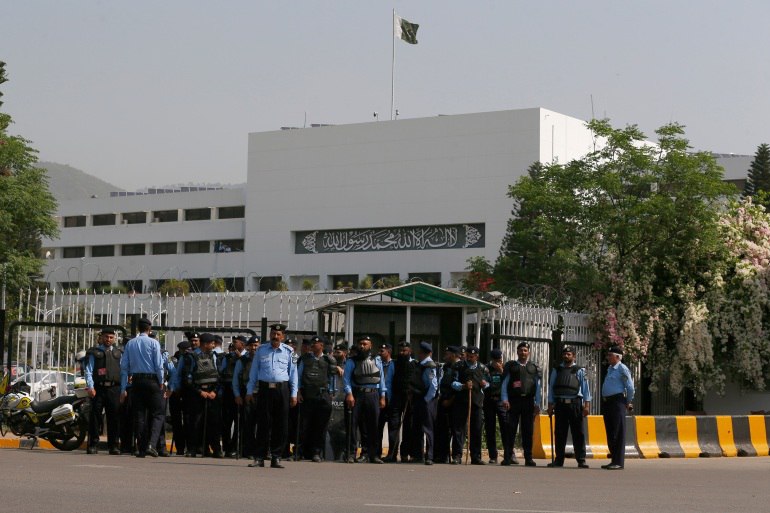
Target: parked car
[(47, 384)]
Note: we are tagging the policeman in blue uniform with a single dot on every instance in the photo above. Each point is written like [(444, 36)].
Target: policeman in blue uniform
[(142, 362), (617, 400), (316, 373), (168, 371), (227, 364), (470, 375), (443, 428), (569, 399), (273, 375), (425, 397), (494, 413), (102, 373), (175, 401), (388, 369), (248, 412), (365, 393), (521, 395)]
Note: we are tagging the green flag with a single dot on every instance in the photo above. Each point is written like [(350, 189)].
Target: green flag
[(405, 30)]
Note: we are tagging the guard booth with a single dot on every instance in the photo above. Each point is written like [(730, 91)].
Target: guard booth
[(414, 311)]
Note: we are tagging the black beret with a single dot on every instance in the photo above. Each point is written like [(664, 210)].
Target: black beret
[(472, 350), (144, 321), (253, 339), (107, 331), (313, 340), (242, 338), (342, 346), (191, 335), (207, 337), (184, 345), (616, 350), (403, 343), (496, 354), (523, 344), (364, 337), (568, 349), (278, 327), (452, 349), (463, 349), (426, 347), (386, 346), (291, 341)]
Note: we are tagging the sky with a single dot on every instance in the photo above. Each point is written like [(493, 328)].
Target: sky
[(149, 93)]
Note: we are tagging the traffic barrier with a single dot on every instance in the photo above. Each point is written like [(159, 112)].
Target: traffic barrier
[(750, 435), (541, 439), (646, 437), (667, 436), (726, 438), (596, 437), (708, 436)]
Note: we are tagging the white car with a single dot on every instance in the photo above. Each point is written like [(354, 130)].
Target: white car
[(47, 384)]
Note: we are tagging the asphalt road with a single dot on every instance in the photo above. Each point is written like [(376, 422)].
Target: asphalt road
[(40, 480)]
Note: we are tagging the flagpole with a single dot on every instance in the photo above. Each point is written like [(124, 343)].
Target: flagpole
[(393, 68)]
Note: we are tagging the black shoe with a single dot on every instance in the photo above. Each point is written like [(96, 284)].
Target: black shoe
[(606, 466), (257, 463), (164, 453), (276, 463), (613, 466), (152, 452), (114, 452), (419, 461), (478, 462), (492, 461), (505, 463), (231, 454), (429, 462), (189, 455), (361, 459), (390, 459), (376, 460), (93, 450), (218, 455), (530, 463), (583, 464), (316, 458), (350, 459), (514, 461), (555, 465), (140, 454)]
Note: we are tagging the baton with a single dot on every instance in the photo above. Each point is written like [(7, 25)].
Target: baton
[(550, 430), (468, 430), (238, 433), (205, 445), (296, 437), (348, 429)]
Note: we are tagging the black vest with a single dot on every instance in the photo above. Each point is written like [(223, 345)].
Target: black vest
[(404, 374), (567, 383), (365, 371), (205, 372), (229, 370), (477, 375), (418, 386), (315, 374), (445, 385), (106, 365), (495, 383), (246, 361), (525, 375)]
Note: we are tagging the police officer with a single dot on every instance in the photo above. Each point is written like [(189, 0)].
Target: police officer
[(229, 409), (143, 363), (365, 394), (401, 419), (206, 399), (274, 376), (298, 350), (617, 398), (175, 401), (102, 373), (316, 372), (521, 399), (388, 369), (248, 412), (569, 399), (425, 396), (443, 428), (471, 378), (494, 413), (339, 424)]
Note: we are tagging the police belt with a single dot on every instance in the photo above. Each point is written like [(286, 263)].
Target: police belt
[(614, 397), (269, 384), (144, 375), (208, 386), (573, 400), (365, 390), (315, 392), (107, 383)]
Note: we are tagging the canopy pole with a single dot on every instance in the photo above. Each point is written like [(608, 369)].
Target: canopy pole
[(464, 327), (478, 328), (408, 324)]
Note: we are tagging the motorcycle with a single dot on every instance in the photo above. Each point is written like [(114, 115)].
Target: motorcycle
[(62, 421)]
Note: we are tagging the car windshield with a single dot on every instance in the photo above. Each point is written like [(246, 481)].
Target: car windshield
[(33, 377)]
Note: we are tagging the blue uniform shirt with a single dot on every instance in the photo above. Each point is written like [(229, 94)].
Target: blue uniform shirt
[(585, 393), (168, 365), (347, 378), (142, 355), (504, 390), (175, 381), (618, 381), (89, 370), (389, 370), (237, 370), (273, 365), (430, 380)]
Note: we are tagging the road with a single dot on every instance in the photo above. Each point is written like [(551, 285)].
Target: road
[(41, 480)]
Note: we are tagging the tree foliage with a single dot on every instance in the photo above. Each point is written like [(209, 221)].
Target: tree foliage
[(27, 207), (174, 287), (758, 180)]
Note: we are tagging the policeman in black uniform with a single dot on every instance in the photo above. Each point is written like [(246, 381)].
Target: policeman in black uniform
[(401, 418), (175, 401), (315, 372), (569, 398), (494, 413), (248, 423), (204, 398), (424, 397), (102, 373), (443, 428), (471, 375), (229, 409), (521, 399)]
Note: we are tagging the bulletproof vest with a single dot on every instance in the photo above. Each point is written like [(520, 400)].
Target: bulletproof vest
[(445, 385), (404, 374), (567, 383), (465, 374), (246, 361), (495, 383), (526, 376), (229, 370), (106, 364), (418, 384), (315, 374), (205, 372), (366, 372), (186, 361)]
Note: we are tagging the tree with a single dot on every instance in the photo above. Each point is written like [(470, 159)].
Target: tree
[(174, 287), (217, 285), (27, 207), (629, 233), (759, 174), (479, 277)]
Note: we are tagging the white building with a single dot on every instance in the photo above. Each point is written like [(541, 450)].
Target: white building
[(327, 205)]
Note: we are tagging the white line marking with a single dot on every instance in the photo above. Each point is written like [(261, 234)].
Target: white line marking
[(98, 466), (445, 508)]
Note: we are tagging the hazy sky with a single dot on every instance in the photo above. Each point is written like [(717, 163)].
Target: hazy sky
[(149, 93)]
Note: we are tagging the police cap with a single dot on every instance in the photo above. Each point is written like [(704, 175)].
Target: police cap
[(278, 327), (523, 344), (107, 331), (242, 338), (254, 339), (496, 354), (616, 350), (472, 350), (364, 337), (452, 349), (342, 346), (386, 346), (191, 335), (568, 349), (184, 345), (425, 347), (205, 338), (314, 339), (403, 343)]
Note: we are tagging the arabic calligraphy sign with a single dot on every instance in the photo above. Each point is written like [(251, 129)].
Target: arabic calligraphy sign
[(448, 236)]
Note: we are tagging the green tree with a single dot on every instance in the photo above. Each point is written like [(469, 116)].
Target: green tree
[(758, 180), (27, 207), (174, 287), (479, 277), (217, 285)]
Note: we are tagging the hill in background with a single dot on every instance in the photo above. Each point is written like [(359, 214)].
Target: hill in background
[(69, 183)]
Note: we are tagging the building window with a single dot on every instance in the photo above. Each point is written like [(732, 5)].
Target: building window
[(164, 248), (104, 220), (197, 214), (234, 284), (103, 251), (74, 252), (228, 246), (99, 286), (267, 283), (431, 278), (68, 285), (134, 217), (165, 216), (198, 284), (74, 221), (131, 285), (197, 246), (232, 212), (340, 281), (385, 281), (132, 249)]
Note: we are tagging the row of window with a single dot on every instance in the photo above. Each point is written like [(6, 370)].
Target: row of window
[(156, 248), (156, 216)]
